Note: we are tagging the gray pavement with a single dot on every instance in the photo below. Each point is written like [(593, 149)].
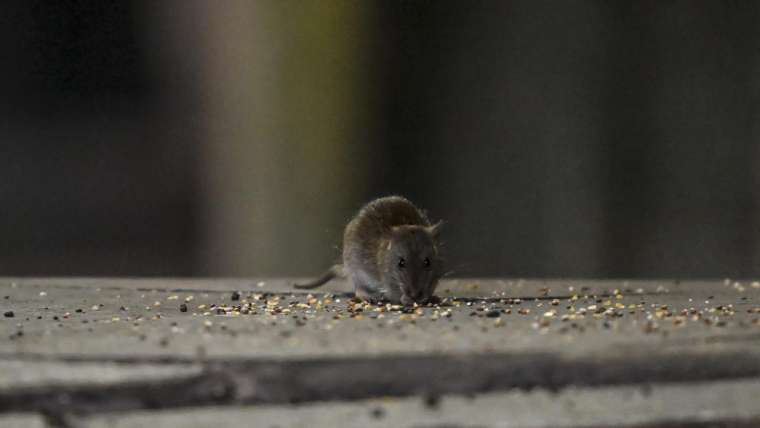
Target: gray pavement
[(699, 404), (101, 346)]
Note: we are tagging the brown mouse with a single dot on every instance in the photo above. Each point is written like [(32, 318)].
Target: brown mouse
[(390, 252)]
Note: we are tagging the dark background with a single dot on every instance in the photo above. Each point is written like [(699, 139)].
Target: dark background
[(559, 139)]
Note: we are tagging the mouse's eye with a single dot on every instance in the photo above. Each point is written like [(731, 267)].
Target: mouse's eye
[(426, 262), (401, 262)]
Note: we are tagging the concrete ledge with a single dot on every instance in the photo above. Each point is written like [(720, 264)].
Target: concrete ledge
[(712, 404), (77, 348)]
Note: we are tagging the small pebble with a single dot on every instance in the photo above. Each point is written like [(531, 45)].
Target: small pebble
[(9, 314)]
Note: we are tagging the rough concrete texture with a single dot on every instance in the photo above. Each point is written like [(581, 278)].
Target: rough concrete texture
[(18, 374), (22, 421), (87, 346), (120, 319), (698, 404)]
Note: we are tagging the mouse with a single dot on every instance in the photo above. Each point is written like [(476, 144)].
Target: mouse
[(391, 252)]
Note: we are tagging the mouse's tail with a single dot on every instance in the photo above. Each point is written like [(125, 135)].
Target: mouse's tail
[(334, 272)]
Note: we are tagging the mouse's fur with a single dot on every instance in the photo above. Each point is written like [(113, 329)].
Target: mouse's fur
[(390, 251)]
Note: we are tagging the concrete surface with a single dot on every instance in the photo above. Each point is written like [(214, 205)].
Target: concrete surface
[(698, 404), (22, 421), (88, 346)]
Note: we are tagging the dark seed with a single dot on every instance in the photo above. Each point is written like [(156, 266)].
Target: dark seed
[(432, 401), (378, 412), (9, 314), (236, 295), (183, 308)]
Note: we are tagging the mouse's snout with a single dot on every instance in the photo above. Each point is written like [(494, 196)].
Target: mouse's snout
[(419, 296), (413, 296)]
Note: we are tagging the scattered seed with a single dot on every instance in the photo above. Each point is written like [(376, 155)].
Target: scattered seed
[(378, 413), (432, 401)]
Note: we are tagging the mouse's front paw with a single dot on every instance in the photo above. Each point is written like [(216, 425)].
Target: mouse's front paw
[(434, 300)]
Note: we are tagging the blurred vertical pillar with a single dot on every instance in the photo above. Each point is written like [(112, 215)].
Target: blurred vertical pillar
[(682, 132), (505, 94), (754, 159), (284, 89)]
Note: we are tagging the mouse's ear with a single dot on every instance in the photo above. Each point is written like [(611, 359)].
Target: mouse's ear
[(435, 229)]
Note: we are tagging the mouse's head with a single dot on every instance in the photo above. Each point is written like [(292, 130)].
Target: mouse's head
[(412, 261)]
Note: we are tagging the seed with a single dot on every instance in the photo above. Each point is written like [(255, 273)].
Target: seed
[(9, 314), (378, 412), (183, 308), (235, 295), (432, 401)]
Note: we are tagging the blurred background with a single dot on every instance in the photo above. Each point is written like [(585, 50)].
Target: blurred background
[(556, 139)]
